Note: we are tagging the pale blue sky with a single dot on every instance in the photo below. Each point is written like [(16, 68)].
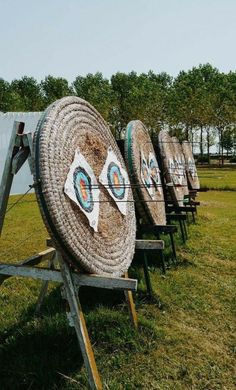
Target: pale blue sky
[(70, 37)]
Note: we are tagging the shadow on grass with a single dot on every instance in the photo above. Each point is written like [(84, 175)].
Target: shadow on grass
[(39, 353), (35, 351)]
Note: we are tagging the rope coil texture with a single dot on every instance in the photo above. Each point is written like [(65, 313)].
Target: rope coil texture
[(137, 141), (191, 169), (66, 125), (167, 151)]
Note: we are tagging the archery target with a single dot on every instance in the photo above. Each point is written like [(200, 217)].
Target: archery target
[(86, 226), (82, 187), (115, 180), (191, 170), (154, 171), (143, 172), (145, 175)]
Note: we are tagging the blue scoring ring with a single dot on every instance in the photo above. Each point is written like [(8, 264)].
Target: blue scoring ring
[(83, 189), (116, 181)]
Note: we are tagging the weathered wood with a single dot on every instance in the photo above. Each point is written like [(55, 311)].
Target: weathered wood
[(131, 306), (80, 327), (165, 229), (28, 142), (107, 282), (19, 159), (7, 175), (79, 280), (30, 261), (44, 287), (147, 275), (149, 244), (30, 272), (179, 209)]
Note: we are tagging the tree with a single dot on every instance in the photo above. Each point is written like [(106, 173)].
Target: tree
[(97, 91), (26, 95), (54, 88), (5, 96), (227, 140)]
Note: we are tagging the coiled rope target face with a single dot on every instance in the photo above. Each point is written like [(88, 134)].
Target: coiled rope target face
[(180, 165), (171, 174), (144, 174), (191, 169), (71, 147)]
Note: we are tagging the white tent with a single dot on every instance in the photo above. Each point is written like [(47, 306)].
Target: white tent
[(23, 178)]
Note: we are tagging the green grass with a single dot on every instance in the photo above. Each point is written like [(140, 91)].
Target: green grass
[(218, 178), (187, 344)]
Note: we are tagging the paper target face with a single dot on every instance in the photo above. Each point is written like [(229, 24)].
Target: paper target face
[(191, 168), (178, 171), (182, 162), (82, 187), (172, 171), (145, 175), (115, 179), (154, 171)]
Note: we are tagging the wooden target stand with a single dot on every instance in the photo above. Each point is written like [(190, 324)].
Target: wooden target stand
[(157, 230), (21, 149)]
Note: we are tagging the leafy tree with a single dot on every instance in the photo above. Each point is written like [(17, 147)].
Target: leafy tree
[(97, 91), (227, 140), (26, 95), (5, 96), (54, 88)]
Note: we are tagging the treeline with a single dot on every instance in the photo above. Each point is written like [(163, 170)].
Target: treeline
[(198, 104)]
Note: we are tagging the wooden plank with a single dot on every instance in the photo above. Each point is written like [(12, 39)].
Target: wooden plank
[(107, 282), (149, 244), (155, 229), (19, 159), (7, 175), (30, 261), (44, 287), (30, 272), (89, 280), (28, 141), (80, 327)]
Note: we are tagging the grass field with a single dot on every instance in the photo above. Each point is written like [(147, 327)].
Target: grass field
[(188, 343), (218, 178)]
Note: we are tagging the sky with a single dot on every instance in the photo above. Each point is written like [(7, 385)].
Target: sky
[(67, 38)]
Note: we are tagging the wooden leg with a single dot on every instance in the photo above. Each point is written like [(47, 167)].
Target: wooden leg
[(80, 327), (44, 287), (163, 266), (147, 276), (131, 306), (182, 230), (185, 230), (174, 257)]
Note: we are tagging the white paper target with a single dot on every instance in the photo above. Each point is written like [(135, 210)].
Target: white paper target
[(154, 172), (145, 175), (81, 186), (115, 179), (179, 170), (173, 171), (191, 168)]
